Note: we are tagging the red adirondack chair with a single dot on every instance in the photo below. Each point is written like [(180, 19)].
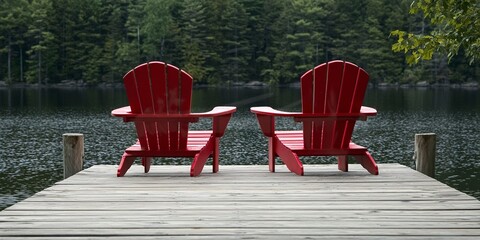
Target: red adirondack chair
[(160, 97), (332, 96)]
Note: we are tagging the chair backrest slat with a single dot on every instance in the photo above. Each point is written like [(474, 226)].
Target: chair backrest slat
[(361, 85), (158, 83), (346, 100), (185, 106), (132, 90), (333, 87), (160, 88), (318, 101), (307, 106), (173, 82)]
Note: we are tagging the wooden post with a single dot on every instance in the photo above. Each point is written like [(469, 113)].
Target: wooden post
[(72, 154), (425, 147)]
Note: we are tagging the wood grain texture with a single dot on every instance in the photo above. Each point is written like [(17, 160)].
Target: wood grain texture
[(425, 148), (245, 202), (73, 153)]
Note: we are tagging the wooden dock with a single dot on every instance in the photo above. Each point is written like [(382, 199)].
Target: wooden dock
[(245, 202)]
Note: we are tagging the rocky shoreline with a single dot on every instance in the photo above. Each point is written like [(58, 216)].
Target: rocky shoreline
[(424, 84)]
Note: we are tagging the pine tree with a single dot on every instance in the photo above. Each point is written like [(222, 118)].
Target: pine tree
[(193, 42), (41, 53), (13, 26), (129, 52), (302, 30), (235, 47), (262, 19), (156, 28), (116, 14)]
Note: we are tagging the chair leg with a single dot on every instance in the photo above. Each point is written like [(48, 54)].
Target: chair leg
[(216, 152), (367, 162), (146, 162), (271, 155), (288, 157), (201, 158), (125, 164), (343, 163)]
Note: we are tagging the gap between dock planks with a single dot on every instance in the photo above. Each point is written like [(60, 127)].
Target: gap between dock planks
[(245, 202)]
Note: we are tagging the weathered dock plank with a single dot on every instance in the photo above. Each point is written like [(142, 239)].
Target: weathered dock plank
[(245, 202)]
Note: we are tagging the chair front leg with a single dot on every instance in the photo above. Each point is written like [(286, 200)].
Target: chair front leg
[(146, 162), (343, 163), (367, 162), (288, 157), (271, 154), (216, 154), (125, 164), (201, 158)]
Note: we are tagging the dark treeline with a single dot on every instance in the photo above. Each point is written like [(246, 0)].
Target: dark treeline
[(217, 41)]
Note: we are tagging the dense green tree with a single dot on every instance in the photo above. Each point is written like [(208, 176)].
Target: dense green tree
[(372, 50), (302, 29), (130, 46), (235, 47), (63, 14), (116, 13), (42, 55), (262, 16), (13, 26), (214, 38), (193, 41), (156, 28)]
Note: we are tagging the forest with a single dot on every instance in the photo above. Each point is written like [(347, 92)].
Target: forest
[(219, 42)]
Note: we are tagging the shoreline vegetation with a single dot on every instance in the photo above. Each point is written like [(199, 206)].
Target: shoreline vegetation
[(72, 84), (95, 42)]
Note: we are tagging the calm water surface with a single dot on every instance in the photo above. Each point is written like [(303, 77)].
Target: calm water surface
[(32, 122)]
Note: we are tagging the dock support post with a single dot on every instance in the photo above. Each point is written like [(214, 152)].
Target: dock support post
[(73, 154), (425, 147)]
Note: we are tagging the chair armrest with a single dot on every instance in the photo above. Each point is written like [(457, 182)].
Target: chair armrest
[(273, 112), (128, 116), (216, 112), (122, 112), (268, 111), (368, 111), (221, 116), (362, 115), (266, 118)]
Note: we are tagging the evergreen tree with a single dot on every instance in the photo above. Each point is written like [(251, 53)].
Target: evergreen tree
[(262, 16), (373, 52), (193, 42), (235, 47), (116, 13), (14, 17), (129, 51), (214, 23), (42, 51), (302, 28), (156, 28)]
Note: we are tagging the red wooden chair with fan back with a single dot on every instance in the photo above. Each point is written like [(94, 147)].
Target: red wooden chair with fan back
[(160, 98), (332, 96)]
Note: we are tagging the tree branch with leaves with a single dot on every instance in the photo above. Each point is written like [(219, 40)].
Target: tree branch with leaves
[(456, 26)]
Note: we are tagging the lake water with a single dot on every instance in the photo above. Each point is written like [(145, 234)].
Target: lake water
[(32, 122)]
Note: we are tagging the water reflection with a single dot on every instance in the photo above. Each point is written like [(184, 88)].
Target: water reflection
[(32, 122)]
